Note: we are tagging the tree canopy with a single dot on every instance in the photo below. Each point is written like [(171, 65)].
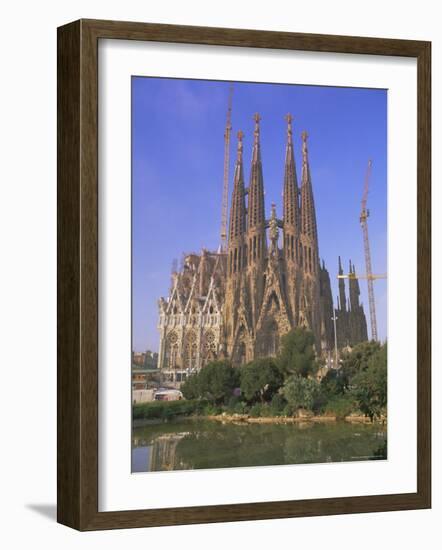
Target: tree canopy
[(297, 355), (301, 392), (215, 382), (369, 385), (357, 359), (260, 379)]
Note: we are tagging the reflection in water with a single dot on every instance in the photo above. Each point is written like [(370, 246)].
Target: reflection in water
[(200, 444)]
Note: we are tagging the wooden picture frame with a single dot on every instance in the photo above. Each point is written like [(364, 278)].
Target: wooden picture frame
[(77, 225)]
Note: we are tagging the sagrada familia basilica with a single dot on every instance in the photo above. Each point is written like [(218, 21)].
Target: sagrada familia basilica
[(238, 302)]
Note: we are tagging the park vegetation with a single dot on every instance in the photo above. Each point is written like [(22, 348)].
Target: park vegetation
[(289, 385)]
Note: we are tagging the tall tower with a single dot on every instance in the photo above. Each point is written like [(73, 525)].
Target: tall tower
[(342, 297), (309, 300), (327, 309), (354, 291), (291, 223), (357, 321), (256, 226), (237, 248)]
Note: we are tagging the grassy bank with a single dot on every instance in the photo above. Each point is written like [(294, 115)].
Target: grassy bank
[(164, 410), (235, 411)]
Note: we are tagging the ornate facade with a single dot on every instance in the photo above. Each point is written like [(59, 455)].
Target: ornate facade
[(238, 303)]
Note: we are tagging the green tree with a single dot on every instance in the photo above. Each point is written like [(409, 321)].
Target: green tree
[(369, 385), (301, 392), (357, 360), (190, 387), (297, 355), (260, 380), (333, 384), (214, 382)]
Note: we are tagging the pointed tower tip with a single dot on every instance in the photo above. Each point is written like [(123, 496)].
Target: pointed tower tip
[(257, 119), (240, 136), (340, 265), (256, 154), (289, 120)]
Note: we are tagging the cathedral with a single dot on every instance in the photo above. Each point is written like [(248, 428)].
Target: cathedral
[(238, 302)]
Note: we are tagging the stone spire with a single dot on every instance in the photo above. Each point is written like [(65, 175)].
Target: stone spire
[(353, 286), (308, 215), (291, 192), (237, 225), (256, 211), (342, 297), (290, 199), (256, 227)]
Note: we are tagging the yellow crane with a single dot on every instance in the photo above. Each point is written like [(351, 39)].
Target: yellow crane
[(225, 198), (354, 276), (369, 276)]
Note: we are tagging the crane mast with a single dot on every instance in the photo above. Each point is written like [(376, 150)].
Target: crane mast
[(225, 197), (369, 273)]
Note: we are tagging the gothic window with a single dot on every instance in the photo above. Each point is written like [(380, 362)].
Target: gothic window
[(210, 345), (190, 350), (171, 350)]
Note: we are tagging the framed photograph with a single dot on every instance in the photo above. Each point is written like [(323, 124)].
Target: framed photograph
[(243, 275)]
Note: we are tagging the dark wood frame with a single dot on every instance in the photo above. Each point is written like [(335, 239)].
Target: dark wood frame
[(77, 224)]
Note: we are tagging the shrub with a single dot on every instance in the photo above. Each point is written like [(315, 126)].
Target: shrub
[(277, 405), (340, 406), (166, 409), (256, 410), (212, 410), (214, 382), (240, 408), (301, 392), (190, 387), (289, 410)]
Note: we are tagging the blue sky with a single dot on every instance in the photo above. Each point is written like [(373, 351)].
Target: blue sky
[(177, 175)]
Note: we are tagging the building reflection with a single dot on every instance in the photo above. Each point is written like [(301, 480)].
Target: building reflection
[(162, 452)]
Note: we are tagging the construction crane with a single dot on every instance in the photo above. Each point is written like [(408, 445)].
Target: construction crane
[(225, 197), (368, 271), (354, 276), (369, 276)]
